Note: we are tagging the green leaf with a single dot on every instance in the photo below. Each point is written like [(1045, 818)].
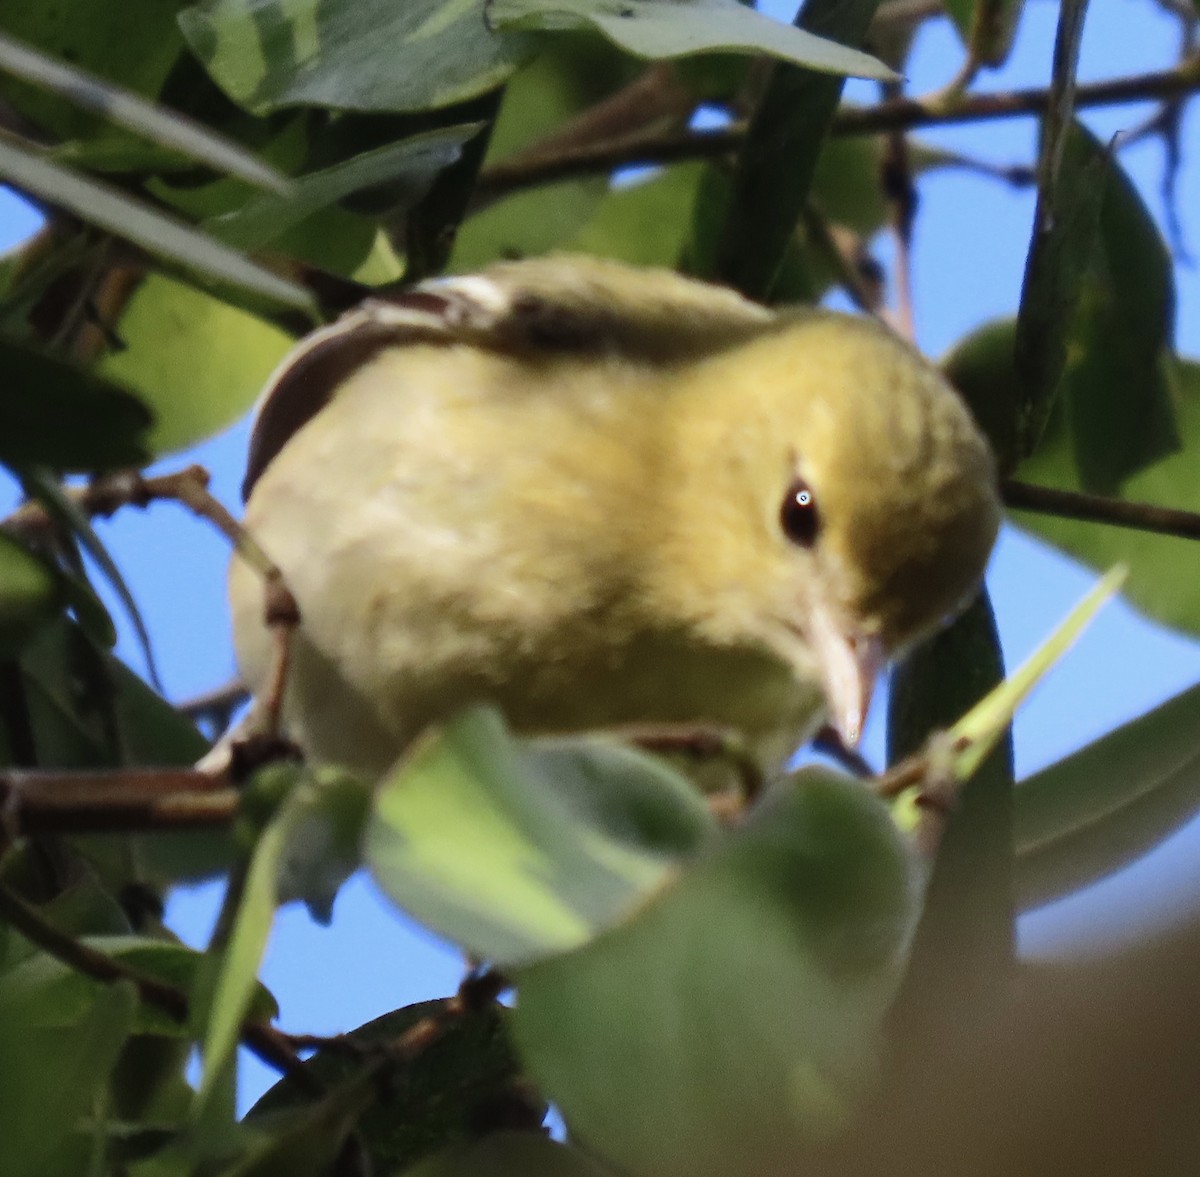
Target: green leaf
[(134, 44), (415, 161), (965, 943), (29, 594), (44, 993), (350, 54), (307, 851), (1102, 807), (678, 28), (1070, 192), (435, 1098), (162, 126), (72, 519), (645, 223), (775, 170), (51, 1079), (987, 27), (571, 74), (1164, 576), (505, 1154), (53, 414), (308, 1143), (517, 850), (198, 362), (734, 1017), (157, 232)]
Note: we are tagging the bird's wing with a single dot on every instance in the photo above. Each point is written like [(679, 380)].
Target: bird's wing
[(585, 306)]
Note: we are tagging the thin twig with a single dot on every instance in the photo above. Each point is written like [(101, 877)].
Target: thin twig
[(268, 1043), (893, 114), (1089, 508), (189, 487)]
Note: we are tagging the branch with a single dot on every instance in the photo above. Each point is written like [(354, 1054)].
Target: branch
[(895, 114), (268, 1043), (189, 487), (117, 800), (1069, 504)]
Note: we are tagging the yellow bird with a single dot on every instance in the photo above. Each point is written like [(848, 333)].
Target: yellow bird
[(597, 496)]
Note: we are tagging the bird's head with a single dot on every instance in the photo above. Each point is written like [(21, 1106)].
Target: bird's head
[(835, 502)]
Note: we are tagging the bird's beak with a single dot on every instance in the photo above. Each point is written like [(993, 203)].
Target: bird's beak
[(850, 664)]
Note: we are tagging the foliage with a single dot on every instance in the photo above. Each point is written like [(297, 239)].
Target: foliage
[(813, 986)]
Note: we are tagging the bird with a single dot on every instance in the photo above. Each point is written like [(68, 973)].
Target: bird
[(598, 496)]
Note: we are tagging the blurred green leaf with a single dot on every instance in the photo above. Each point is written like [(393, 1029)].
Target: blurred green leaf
[(983, 369), (29, 594), (350, 54), (734, 1017), (441, 1096), (165, 128), (1114, 393), (196, 361), (516, 850), (133, 45), (965, 943), (506, 1154), (44, 993), (1071, 191), (415, 161), (1164, 575), (646, 222), (773, 180), (307, 850), (50, 1079), (307, 1143), (54, 414), (676, 28), (159, 233), (987, 27), (1099, 809), (74, 521), (570, 74)]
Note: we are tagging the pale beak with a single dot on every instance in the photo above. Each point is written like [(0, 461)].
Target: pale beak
[(849, 664)]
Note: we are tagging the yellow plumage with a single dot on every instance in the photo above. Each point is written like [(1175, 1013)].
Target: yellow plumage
[(562, 486)]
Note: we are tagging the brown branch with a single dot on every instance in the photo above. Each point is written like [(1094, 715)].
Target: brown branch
[(268, 1043), (894, 114), (118, 800), (1089, 508)]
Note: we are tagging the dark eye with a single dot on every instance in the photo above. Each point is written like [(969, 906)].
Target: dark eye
[(798, 515)]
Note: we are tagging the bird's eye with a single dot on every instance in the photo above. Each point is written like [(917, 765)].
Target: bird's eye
[(798, 515)]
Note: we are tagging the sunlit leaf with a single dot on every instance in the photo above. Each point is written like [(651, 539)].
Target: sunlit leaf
[(350, 54), (743, 1002), (198, 362), (675, 28), (514, 851)]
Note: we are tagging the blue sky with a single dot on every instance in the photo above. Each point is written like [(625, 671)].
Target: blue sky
[(971, 238)]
